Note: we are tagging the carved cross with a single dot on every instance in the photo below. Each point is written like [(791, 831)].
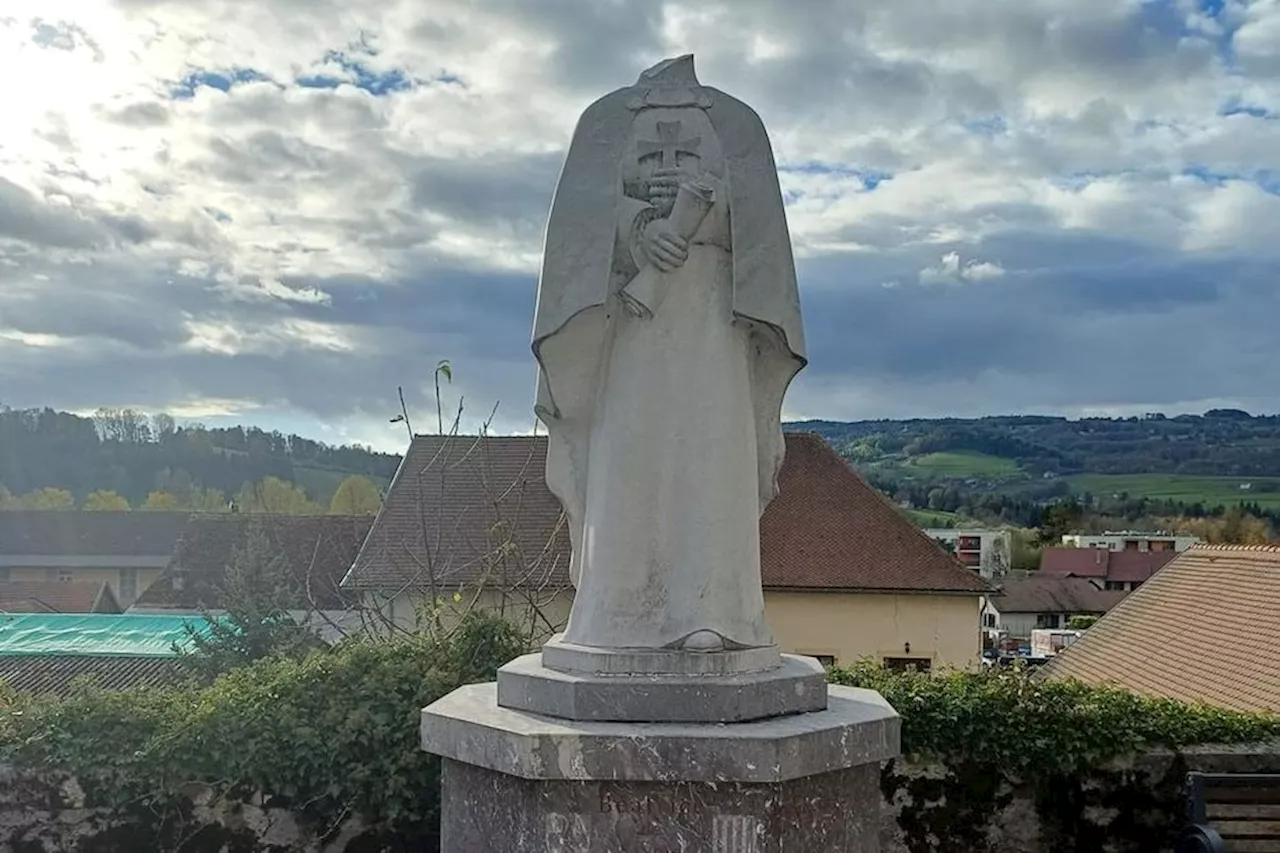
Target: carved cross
[(669, 144)]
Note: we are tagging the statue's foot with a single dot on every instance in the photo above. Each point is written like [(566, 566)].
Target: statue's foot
[(703, 641)]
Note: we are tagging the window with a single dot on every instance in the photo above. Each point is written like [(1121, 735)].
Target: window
[(1115, 585), (1048, 620), (65, 576), (989, 620), (128, 585), (904, 664)]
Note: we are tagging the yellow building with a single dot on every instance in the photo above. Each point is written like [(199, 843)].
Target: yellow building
[(469, 522), (127, 551)]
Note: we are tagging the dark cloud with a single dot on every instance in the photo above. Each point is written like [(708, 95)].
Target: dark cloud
[(25, 217)]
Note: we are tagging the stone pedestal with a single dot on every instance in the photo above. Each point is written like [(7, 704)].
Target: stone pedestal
[(519, 782)]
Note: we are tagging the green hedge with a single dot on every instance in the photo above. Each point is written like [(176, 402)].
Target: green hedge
[(336, 733), (333, 734), (1008, 719)]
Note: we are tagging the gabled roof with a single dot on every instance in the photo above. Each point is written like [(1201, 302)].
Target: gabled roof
[(1051, 594), (487, 512), (1124, 566), (79, 533), (318, 550), (461, 509), (830, 529), (57, 597), (1200, 630)]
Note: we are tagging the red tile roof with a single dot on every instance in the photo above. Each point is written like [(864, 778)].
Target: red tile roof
[(317, 551), (1077, 562), (1123, 566), (57, 597), (1137, 566), (83, 533), (486, 509), (830, 529)]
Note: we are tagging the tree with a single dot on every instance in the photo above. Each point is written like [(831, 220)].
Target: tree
[(105, 500), (163, 501), (273, 495), (207, 500), (355, 496), (48, 498), (7, 500), (256, 595), (1081, 623)]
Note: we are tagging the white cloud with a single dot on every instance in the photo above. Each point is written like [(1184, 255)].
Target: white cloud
[(305, 249), (951, 271)]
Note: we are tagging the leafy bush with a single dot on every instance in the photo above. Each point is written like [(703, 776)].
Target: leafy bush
[(332, 734), (1013, 721)]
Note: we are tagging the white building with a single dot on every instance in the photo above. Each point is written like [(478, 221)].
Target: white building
[(988, 552), (1129, 540)]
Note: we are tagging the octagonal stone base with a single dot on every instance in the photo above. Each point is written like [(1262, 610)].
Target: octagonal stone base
[(518, 782), (797, 685)]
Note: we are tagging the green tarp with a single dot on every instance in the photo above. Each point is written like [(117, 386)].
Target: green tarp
[(141, 635)]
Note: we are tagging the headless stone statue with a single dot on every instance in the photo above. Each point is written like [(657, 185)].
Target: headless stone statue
[(667, 331)]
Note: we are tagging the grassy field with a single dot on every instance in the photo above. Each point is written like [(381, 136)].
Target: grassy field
[(1211, 491), (937, 518), (961, 465)]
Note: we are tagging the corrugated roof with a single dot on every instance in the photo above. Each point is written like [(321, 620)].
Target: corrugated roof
[(318, 551), (55, 675), (1052, 594), (57, 597), (89, 634), (1203, 629), (57, 533), (486, 511)]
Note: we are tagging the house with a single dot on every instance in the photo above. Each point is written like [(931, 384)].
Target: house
[(987, 552), (57, 597), (1201, 630), (1040, 601), (1113, 570), (126, 550), (314, 551), (845, 575), (53, 653), (1127, 540)]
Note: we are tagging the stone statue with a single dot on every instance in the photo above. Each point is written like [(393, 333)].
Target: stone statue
[(667, 332)]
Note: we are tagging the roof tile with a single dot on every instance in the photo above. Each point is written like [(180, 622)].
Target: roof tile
[(483, 508), (1200, 630)]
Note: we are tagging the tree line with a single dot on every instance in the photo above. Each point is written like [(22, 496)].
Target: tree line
[(1220, 442), (123, 459)]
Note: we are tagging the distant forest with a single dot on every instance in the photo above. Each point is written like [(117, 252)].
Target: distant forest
[(944, 471), (1219, 443), (134, 455)]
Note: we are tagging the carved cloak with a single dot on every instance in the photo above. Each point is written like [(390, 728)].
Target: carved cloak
[(578, 287)]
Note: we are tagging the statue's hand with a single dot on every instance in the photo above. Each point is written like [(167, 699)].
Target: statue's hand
[(663, 247)]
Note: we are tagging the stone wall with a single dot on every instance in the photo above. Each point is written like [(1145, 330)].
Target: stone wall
[(1130, 806)]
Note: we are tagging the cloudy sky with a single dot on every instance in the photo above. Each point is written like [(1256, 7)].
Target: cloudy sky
[(276, 212)]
